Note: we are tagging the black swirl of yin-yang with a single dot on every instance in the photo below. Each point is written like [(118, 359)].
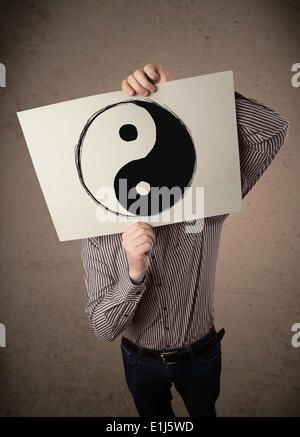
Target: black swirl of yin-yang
[(115, 149)]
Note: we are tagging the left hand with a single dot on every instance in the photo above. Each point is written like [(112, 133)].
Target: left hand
[(142, 80)]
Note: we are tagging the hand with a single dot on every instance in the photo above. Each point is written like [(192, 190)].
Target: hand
[(142, 80), (138, 241)]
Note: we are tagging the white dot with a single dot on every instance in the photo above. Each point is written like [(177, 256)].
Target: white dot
[(143, 188)]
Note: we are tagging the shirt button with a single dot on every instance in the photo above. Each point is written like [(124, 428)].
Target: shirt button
[(167, 327), (168, 345), (165, 308), (159, 284)]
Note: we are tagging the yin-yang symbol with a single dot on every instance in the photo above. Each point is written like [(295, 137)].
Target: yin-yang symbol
[(140, 142)]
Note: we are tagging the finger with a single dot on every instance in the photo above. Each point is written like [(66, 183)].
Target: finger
[(136, 86), (137, 225), (135, 242), (133, 226), (142, 240), (150, 70), (141, 77), (141, 228), (164, 77), (141, 232), (156, 72), (145, 248), (127, 88), (135, 248)]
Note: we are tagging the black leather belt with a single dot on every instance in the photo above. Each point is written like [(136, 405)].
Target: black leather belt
[(172, 357)]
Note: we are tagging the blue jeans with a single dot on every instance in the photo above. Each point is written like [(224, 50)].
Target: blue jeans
[(197, 380)]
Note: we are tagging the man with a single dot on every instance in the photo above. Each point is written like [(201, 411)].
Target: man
[(156, 285)]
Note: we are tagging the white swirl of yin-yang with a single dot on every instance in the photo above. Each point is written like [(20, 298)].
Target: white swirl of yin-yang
[(104, 152)]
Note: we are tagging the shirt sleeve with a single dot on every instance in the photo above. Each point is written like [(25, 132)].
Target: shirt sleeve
[(111, 303), (261, 133)]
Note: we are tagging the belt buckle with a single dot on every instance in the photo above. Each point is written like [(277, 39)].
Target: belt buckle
[(162, 356)]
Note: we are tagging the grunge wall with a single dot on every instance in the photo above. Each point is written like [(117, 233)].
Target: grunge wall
[(53, 365)]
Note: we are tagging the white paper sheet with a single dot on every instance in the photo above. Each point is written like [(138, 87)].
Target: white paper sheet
[(76, 163)]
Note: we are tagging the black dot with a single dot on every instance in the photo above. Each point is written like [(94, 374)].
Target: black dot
[(128, 132)]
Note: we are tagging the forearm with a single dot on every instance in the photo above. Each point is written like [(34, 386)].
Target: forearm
[(111, 302), (112, 315)]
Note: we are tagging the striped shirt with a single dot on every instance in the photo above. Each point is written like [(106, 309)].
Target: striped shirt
[(173, 306)]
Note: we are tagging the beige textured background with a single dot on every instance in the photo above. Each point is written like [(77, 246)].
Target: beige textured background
[(59, 50)]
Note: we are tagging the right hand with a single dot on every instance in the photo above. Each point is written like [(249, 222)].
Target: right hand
[(143, 79), (138, 241)]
